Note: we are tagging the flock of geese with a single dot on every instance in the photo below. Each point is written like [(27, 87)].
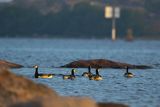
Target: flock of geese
[(72, 76)]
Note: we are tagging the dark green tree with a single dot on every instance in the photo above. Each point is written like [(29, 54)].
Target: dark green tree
[(152, 6)]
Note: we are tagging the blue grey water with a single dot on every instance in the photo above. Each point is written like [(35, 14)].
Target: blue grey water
[(141, 91)]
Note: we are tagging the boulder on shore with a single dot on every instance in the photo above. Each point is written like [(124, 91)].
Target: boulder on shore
[(7, 64), (17, 91), (102, 63)]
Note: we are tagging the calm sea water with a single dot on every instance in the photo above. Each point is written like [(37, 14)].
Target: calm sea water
[(140, 91)]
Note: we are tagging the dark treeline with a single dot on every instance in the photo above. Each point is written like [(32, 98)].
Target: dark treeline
[(83, 21)]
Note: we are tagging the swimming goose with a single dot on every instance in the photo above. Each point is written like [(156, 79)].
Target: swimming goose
[(72, 76), (96, 77), (128, 74), (87, 74), (37, 75)]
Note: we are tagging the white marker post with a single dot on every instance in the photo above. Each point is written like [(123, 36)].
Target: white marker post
[(112, 12)]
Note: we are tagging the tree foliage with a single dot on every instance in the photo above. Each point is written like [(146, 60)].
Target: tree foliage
[(152, 6), (83, 21)]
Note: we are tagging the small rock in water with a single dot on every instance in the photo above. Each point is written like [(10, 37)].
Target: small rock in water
[(7, 64), (102, 63)]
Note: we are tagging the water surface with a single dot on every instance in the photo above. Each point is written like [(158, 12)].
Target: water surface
[(140, 91)]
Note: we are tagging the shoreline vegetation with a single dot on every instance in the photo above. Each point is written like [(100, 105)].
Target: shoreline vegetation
[(55, 18), (107, 37), (18, 91)]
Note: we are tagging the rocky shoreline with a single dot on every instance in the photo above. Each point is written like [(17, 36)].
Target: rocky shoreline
[(102, 63), (17, 91), (7, 64), (94, 63)]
